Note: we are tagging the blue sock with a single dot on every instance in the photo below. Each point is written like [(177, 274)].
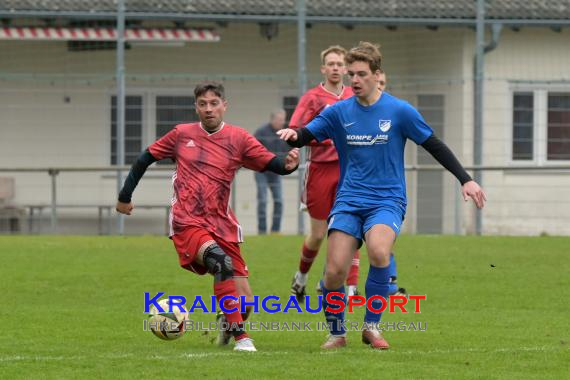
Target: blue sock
[(377, 284), (393, 275), (335, 321)]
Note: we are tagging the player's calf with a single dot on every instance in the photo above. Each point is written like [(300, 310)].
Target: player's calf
[(219, 264)]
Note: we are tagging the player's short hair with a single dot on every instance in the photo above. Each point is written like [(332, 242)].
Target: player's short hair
[(332, 49), (365, 52), (215, 87)]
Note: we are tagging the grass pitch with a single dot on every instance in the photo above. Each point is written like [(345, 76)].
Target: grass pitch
[(72, 307)]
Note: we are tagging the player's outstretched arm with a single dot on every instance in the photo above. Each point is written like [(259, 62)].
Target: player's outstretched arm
[(292, 160), (124, 204), (284, 166), (296, 137), (447, 159)]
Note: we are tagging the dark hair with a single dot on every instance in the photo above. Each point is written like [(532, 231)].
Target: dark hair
[(215, 87), (366, 52)]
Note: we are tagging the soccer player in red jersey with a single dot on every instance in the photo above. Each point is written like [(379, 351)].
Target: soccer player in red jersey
[(205, 231), (321, 177)]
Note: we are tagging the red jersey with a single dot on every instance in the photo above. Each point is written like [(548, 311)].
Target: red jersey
[(310, 105), (206, 165)]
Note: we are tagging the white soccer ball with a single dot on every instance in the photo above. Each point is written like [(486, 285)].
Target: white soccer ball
[(167, 325)]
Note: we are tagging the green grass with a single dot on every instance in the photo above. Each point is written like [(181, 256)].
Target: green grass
[(496, 307)]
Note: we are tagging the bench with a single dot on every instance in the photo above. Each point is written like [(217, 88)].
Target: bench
[(36, 214), (10, 214)]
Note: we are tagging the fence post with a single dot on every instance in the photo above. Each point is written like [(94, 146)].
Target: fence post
[(53, 174), (302, 75), (120, 105), (457, 215), (478, 111)]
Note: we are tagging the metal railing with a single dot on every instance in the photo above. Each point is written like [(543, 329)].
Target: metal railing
[(55, 204)]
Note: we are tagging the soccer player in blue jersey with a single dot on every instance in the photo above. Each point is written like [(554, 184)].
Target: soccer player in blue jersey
[(370, 131)]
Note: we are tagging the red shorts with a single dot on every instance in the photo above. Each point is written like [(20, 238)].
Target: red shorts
[(191, 239), (321, 180)]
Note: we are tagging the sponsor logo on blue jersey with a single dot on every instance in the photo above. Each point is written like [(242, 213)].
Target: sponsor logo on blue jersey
[(366, 139)]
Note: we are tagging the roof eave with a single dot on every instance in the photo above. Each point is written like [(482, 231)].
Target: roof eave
[(213, 17)]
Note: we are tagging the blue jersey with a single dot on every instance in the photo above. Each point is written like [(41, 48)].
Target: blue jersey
[(370, 143)]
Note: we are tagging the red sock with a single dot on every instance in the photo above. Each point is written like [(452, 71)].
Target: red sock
[(228, 288), (352, 278), (307, 258)]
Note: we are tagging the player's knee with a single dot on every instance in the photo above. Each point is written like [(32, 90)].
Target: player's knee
[(312, 243), (218, 263), (379, 256), (321, 232), (317, 237)]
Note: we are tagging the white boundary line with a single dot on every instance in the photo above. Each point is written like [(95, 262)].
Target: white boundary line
[(16, 358)]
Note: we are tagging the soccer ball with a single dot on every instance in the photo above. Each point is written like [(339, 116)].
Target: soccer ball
[(167, 325)]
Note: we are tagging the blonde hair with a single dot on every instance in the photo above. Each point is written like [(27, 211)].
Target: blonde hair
[(332, 49), (366, 52)]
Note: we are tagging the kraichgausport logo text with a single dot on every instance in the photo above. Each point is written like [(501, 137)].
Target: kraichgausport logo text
[(272, 304)]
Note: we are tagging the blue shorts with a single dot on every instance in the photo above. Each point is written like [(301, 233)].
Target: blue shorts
[(357, 222)]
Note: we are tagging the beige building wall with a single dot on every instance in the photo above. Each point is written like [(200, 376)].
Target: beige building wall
[(60, 115), (524, 202)]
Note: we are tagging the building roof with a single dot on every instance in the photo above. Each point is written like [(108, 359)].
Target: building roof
[(317, 9), (108, 34)]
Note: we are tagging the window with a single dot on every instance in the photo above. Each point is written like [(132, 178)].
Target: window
[(523, 125), (541, 126), (289, 104), (133, 128), (429, 206), (432, 108), (148, 117), (173, 110), (558, 127)]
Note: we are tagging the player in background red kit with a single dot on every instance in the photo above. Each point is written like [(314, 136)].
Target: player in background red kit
[(394, 289), (205, 231), (322, 174)]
